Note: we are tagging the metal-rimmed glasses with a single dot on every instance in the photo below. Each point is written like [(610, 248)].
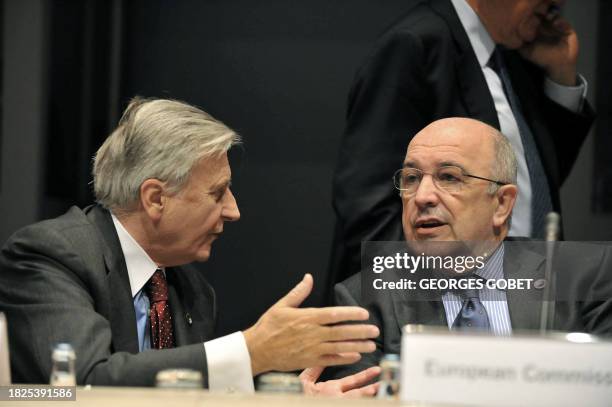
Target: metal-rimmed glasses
[(449, 178)]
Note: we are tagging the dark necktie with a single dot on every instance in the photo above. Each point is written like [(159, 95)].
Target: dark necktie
[(541, 202), (473, 315), (159, 313)]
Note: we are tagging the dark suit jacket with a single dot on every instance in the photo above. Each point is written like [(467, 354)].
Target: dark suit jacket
[(584, 285), (424, 69), (65, 280)]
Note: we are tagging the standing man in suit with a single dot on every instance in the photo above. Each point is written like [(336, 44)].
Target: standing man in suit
[(508, 63), (458, 184), (112, 279)]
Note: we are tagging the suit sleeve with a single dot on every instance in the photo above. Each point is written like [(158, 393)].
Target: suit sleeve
[(349, 295), (49, 296), (597, 310), (387, 106), (568, 129)]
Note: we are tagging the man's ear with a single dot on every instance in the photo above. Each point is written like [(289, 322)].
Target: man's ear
[(152, 198), (505, 199)]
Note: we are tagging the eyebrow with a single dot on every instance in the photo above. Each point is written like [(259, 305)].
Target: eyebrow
[(412, 164)]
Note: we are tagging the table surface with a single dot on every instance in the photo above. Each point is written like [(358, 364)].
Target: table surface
[(147, 397)]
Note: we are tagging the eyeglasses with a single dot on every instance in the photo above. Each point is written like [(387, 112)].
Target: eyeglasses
[(448, 178)]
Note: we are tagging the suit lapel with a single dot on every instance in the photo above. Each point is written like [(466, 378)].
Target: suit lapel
[(424, 312), (191, 311), (473, 88), (523, 305), (121, 312), (180, 318)]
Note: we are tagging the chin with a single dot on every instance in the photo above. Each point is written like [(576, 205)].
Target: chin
[(515, 42), (526, 40), (202, 255), (441, 235), (528, 34)]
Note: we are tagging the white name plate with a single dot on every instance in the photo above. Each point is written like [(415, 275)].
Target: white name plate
[(477, 370)]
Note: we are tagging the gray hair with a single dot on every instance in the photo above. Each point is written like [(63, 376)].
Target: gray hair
[(504, 164), (155, 138)]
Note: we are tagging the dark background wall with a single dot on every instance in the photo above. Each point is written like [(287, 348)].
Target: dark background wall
[(277, 71)]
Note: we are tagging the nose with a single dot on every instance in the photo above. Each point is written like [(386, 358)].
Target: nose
[(427, 192), (230, 211)]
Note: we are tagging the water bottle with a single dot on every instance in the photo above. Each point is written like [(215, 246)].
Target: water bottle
[(178, 379), (277, 382), (63, 370), (389, 377)]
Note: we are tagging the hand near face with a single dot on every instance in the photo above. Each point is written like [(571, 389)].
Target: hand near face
[(288, 338), (555, 50), (350, 386)]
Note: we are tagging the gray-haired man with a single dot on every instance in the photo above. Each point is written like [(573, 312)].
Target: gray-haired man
[(110, 279)]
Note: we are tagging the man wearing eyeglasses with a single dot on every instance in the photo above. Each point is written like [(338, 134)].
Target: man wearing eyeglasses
[(508, 63), (458, 184), (455, 187)]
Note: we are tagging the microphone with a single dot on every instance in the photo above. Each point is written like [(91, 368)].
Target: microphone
[(547, 311), (553, 221)]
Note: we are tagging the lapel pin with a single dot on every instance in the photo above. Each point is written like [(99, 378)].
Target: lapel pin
[(188, 318), (539, 284)]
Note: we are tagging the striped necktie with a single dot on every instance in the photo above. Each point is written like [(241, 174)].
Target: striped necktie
[(541, 202), (473, 315)]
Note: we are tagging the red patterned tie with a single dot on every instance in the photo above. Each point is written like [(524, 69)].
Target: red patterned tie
[(159, 313)]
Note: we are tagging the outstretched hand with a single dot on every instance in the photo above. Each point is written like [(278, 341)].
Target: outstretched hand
[(288, 338), (355, 385)]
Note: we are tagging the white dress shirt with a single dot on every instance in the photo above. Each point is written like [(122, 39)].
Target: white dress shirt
[(570, 97), (227, 358)]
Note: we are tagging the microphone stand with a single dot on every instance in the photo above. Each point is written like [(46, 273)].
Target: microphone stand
[(547, 314)]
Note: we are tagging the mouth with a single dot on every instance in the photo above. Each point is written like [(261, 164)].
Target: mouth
[(426, 226)]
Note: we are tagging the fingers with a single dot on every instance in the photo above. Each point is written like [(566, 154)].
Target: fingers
[(331, 348), (333, 315), (311, 375), (367, 391), (298, 294), (350, 332), (562, 25), (339, 359), (359, 380)]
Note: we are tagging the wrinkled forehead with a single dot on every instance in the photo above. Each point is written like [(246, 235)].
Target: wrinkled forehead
[(465, 144), (211, 171)]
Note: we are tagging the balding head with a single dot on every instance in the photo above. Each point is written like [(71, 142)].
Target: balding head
[(474, 190), (485, 143)]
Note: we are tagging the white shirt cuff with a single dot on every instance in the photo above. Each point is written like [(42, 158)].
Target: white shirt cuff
[(570, 97), (229, 364)]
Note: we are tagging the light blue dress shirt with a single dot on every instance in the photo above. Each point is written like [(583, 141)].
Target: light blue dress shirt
[(494, 301), (227, 358), (140, 268), (141, 307)]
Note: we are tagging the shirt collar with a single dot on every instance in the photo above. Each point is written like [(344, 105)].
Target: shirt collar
[(493, 268), (139, 265), (479, 37)]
